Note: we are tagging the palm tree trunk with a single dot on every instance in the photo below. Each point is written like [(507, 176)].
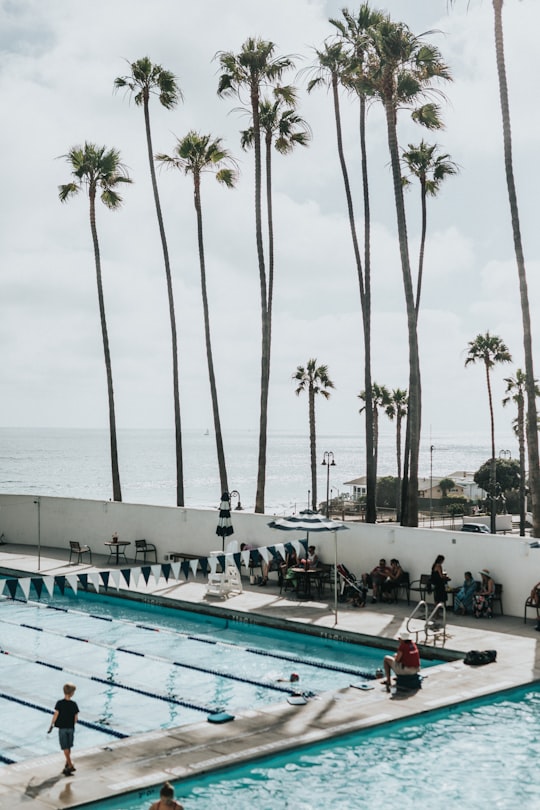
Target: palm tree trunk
[(371, 464), (493, 464), (412, 441), (398, 453), (117, 492), (313, 448), (211, 375), (532, 425), (265, 348), (521, 440), (176, 392), (422, 248)]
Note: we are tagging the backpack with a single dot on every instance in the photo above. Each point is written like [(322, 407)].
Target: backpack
[(477, 658)]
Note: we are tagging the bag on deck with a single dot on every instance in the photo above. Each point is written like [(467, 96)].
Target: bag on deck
[(477, 658)]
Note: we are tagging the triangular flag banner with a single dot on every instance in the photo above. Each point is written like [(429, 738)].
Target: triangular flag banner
[(49, 584), (72, 582), (25, 583), (264, 554), (255, 556), (273, 552), (175, 568), (146, 571), (245, 557), (126, 573), (289, 547), (237, 560), (115, 578), (104, 575), (203, 562), (83, 579), (221, 560), (212, 562), (297, 545), (37, 582), (280, 548), (11, 585), (60, 580), (156, 572), (304, 543), (166, 571), (186, 566), (135, 576), (94, 579)]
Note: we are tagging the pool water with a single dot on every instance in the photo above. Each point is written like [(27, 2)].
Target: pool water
[(142, 667), (484, 754)]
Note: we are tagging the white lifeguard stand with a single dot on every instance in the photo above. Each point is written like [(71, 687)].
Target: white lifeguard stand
[(228, 581)]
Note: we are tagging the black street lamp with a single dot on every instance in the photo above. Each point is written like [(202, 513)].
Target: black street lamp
[(328, 461), (236, 494)]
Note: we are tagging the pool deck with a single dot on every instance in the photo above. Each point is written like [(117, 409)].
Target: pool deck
[(146, 760)]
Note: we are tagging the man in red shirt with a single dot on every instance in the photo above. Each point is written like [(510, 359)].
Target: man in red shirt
[(405, 662)]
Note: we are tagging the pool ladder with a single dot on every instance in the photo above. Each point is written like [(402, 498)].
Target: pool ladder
[(434, 631)]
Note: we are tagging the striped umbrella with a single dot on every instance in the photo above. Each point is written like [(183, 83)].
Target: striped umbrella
[(310, 521), (224, 528)]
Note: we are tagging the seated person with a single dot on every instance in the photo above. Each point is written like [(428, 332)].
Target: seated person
[(392, 581), (535, 595), (483, 599), (311, 561), (274, 564), (464, 598), (405, 662), (287, 567), (376, 578)]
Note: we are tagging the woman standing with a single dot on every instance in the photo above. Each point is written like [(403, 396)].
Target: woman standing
[(439, 580)]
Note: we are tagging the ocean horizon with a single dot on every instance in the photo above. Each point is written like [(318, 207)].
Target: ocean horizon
[(75, 463)]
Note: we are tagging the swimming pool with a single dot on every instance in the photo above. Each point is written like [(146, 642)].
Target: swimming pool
[(142, 667), (481, 754)]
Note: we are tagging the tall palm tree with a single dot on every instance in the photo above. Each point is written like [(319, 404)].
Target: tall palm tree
[(144, 81), (430, 169), (333, 66), (397, 409), (282, 129), (195, 154), (515, 392), (532, 411), (247, 72), (489, 350), (380, 399), (98, 169), (403, 68), (315, 380)]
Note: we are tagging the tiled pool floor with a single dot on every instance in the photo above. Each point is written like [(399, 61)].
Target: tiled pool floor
[(149, 759)]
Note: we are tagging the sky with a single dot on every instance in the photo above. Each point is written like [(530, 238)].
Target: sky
[(58, 62)]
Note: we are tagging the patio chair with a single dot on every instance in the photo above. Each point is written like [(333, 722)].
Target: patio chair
[(401, 588), (76, 548), (533, 604), (144, 548), (420, 586)]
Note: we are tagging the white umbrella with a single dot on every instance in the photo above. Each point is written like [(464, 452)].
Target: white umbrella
[(309, 521)]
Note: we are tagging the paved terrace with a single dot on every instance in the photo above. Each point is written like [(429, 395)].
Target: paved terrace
[(145, 761)]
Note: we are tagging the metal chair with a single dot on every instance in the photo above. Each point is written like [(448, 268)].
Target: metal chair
[(420, 586), (533, 604), (76, 548), (144, 548)]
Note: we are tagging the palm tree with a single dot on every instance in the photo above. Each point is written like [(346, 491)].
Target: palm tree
[(397, 409), (333, 66), (284, 129), (515, 390), (144, 81), (96, 168), (430, 169), (403, 68), (196, 154), (315, 380), (248, 71), (380, 398), (489, 350), (445, 485), (532, 412)]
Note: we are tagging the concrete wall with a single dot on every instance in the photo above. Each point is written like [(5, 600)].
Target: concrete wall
[(509, 557)]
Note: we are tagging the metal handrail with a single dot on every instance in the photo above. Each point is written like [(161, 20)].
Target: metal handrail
[(427, 628)]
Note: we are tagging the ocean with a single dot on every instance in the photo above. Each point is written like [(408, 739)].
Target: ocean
[(76, 464)]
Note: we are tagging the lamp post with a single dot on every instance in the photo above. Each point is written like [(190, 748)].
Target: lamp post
[(328, 461), (236, 494), (431, 449), (308, 498)]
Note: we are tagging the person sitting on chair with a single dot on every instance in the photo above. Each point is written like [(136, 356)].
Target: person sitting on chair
[(392, 581), (405, 662), (483, 600), (376, 578), (312, 560)]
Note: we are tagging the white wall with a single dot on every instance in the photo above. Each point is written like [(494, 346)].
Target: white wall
[(508, 557)]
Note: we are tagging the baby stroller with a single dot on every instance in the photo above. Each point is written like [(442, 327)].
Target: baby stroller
[(351, 588)]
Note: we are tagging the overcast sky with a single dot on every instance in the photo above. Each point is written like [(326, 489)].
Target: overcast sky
[(58, 61)]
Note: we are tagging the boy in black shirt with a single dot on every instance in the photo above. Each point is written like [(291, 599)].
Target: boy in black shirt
[(66, 713)]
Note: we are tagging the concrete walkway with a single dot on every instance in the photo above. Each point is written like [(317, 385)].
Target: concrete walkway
[(146, 760)]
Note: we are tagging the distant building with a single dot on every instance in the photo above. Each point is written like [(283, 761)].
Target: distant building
[(464, 487)]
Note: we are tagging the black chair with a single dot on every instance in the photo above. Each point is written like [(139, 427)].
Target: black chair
[(76, 548), (402, 588), (533, 604), (420, 586), (144, 548), (497, 596)]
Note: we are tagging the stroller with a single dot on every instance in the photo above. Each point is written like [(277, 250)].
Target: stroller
[(351, 588)]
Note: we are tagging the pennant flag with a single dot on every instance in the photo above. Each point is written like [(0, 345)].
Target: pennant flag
[(83, 579), (245, 557), (175, 568), (60, 580), (115, 578), (126, 573), (25, 583), (297, 545), (135, 575), (186, 566), (264, 554), (49, 584), (12, 587), (237, 560), (156, 572), (94, 579), (104, 575), (146, 571), (72, 582), (37, 582), (280, 550), (221, 560), (166, 571), (212, 562), (255, 556)]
